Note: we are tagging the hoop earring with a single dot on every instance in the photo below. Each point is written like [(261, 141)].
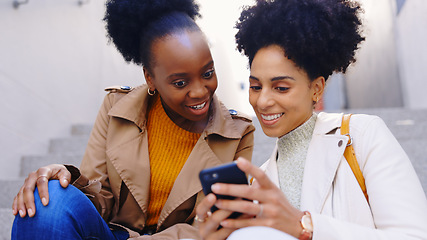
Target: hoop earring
[(151, 93)]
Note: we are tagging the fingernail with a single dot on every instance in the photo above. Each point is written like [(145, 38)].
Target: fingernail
[(211, 198), (64, 181), (14, 211), (21, 213), (30, 212), (243, 162), (44, 201), (215, 187)]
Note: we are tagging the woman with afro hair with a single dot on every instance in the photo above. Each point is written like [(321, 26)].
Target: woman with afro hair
[(313, 186), (139, 175)]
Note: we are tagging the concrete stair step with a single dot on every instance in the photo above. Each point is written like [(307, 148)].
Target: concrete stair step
[(403, 123), (75, 144), (6, 220), (63, 151), (391, 115), (32, 163), (417, 153), (408, 130), (8, 191)]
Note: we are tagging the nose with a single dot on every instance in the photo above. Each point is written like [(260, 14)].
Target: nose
[(265, 99), (198, 89)]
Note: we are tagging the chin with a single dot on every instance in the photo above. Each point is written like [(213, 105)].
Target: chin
[(273, 132), (270, 133)]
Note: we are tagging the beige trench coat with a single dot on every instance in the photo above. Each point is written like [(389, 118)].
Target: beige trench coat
[(117, 158)]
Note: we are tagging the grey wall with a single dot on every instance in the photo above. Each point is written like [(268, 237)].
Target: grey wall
[(373, 81), (412, 52), (390, 68), (54, 65)]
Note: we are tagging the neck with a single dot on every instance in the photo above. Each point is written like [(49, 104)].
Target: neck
[(308, 123)]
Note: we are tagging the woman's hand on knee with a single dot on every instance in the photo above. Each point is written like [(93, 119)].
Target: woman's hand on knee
[(23, 202)]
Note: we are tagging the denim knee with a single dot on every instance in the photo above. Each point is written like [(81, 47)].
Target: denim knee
[(67, 206)]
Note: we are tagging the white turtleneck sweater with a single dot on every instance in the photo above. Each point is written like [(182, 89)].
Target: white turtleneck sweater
[(292, 152)]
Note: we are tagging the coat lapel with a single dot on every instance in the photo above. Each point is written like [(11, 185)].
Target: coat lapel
[(187, 183), (323, 158), (134, 167)]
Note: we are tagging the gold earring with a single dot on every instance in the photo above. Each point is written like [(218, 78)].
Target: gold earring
[(151, 93)]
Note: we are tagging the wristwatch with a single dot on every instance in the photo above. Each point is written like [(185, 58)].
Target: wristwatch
[(307, 227)]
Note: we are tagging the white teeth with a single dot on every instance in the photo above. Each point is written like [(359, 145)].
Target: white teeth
[(197, 107), (271, 117)]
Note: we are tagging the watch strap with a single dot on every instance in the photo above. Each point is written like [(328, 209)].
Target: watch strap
[(307, 231)]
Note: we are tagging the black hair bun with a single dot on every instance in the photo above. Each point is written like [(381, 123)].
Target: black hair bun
[(127, 19)]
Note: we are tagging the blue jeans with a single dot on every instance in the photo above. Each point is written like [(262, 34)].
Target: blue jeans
[(69, 215)]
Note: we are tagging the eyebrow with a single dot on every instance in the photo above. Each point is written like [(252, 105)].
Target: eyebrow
[(209, 63), (185, 74), (275, 78)]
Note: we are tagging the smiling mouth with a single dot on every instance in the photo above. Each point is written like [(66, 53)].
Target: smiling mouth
[(271, 117), (198, 107)]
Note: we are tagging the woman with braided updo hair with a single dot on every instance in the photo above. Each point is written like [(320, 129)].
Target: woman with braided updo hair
[(322, 182), (139, 175)]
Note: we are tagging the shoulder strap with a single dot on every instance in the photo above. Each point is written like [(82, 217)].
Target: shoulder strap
[(350, 155)]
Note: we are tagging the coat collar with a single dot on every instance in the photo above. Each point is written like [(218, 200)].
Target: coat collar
[(327, 123), (323, 157), (185, 185), (133, 107)]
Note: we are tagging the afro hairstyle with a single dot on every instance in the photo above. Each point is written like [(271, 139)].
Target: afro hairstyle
[(319, 36)]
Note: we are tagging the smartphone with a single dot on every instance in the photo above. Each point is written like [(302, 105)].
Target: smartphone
[(226, 173)]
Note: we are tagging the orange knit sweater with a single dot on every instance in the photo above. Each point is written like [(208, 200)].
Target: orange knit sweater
[(169, 147)]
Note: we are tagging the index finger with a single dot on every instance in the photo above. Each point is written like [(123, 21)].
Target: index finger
[(205, 205), (250, 169)]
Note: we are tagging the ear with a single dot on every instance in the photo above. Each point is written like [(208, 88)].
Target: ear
[(318, 86), (149, 79)]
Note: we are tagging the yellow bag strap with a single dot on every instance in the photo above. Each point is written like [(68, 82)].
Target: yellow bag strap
[(350, 155)]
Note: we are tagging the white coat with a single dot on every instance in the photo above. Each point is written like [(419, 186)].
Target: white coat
[(397, 206)]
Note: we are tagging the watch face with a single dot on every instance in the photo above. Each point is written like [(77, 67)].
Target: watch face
[(306, 223)]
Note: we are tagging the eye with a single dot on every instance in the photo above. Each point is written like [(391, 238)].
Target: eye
[(255, 88), (208, 74), (179, 83), (282, 89)]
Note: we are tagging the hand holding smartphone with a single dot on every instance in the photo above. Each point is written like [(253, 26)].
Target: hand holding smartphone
[(226, 173)]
